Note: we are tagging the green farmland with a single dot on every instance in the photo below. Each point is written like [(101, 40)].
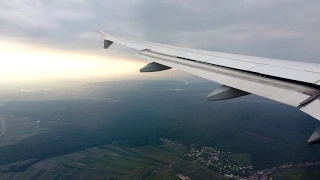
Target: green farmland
[(114, 161), (241, 159)]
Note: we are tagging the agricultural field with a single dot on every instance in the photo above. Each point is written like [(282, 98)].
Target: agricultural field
[(14, 129), (241, 159), (308, 173), (93, 132), (116, 161)]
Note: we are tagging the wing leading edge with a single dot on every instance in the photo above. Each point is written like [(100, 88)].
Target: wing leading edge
[(293, 83)]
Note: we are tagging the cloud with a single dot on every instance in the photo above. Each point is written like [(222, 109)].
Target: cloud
[(287, 29)]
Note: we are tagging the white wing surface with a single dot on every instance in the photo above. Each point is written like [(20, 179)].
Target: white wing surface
[(293, 83)]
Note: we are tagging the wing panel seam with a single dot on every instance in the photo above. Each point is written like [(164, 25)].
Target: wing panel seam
[(258, 78)]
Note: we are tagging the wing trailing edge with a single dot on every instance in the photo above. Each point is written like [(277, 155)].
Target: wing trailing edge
[(293, 83)]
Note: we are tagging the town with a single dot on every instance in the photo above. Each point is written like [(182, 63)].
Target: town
[(216, 159), (263, 174)]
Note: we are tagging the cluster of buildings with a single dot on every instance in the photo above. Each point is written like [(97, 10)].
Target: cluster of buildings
[(183, 177), (217, 160), (173, 143), (263, 174)]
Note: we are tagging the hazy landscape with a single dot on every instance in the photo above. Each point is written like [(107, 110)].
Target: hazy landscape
[(74, 105), (149, 129)]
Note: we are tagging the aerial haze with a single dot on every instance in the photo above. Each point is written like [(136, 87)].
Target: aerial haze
[(70, 109), (67, 31)]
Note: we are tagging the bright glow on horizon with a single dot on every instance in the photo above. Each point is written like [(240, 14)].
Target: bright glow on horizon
[(21, 63)]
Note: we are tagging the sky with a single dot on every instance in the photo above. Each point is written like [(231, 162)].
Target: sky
[(44, 40)]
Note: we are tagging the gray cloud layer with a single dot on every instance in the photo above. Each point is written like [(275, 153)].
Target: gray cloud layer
[(287, 29)]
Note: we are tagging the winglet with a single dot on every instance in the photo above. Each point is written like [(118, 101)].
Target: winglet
[(108, 39), (107, 36)]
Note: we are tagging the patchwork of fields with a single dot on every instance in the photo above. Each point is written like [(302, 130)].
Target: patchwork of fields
[(113, 161)]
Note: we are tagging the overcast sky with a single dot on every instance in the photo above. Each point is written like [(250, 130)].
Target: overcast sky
[(285, 29)]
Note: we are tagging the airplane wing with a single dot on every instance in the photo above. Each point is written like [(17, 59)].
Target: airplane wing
[(293, 83)]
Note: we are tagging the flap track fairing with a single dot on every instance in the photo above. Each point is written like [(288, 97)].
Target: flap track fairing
[(225, 92), (154, 67), (315, 137)]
